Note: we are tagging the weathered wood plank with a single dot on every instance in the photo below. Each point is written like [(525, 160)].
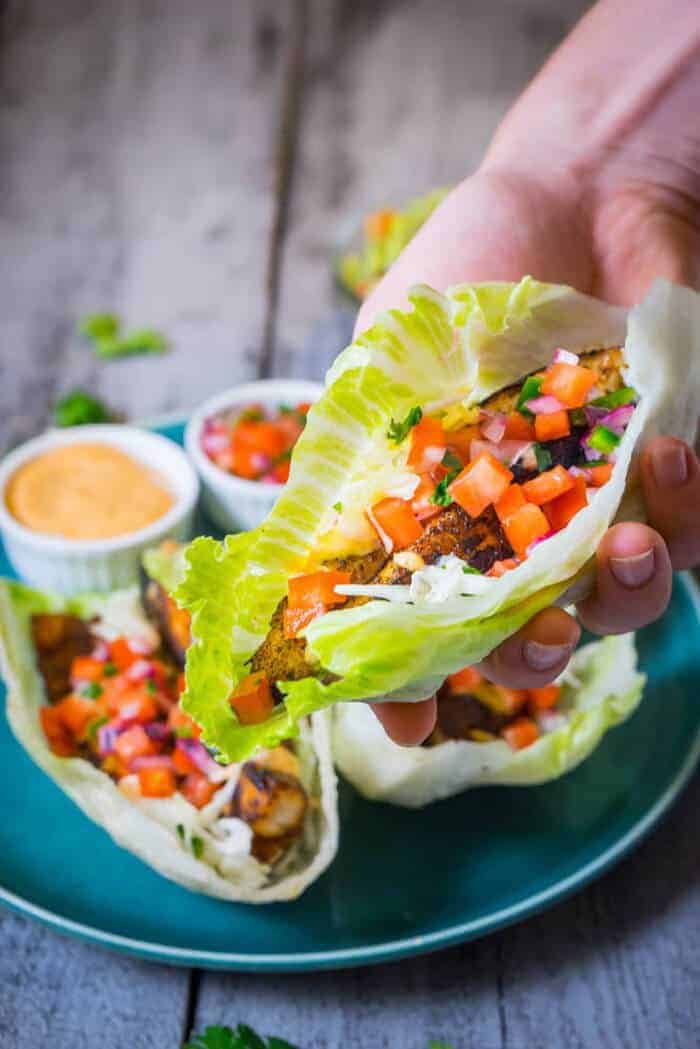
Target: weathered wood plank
[(138, 147), (399, 98), (67, 995)]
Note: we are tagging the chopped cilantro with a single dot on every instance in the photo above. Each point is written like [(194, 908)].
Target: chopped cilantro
[(92, 690), (544, 458), (180, 832), (197, 847), (451, 461), (110, 670), (151, 686), (531, 388), (338, 507), (441, 496), (94, 727), (79, 408), (243, 1037), (603, 439), (616, 399), (285, 409), (104, 331), (468, 570), (399, 431)]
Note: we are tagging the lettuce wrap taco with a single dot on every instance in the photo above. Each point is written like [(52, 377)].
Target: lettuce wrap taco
[(457, 475), (92, 695), (488, 734)]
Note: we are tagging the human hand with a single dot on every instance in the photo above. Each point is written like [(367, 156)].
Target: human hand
[(607, 218)]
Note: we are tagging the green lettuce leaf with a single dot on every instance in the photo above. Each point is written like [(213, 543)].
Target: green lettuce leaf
[(601, 688), (449, 351)]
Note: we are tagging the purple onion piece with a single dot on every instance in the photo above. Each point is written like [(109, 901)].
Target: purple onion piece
[(562, 356), (594, 415), (545, 405), (157, 730), (198, 754), (618, 419)]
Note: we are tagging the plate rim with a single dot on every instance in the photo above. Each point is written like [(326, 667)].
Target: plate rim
[(391, 950)]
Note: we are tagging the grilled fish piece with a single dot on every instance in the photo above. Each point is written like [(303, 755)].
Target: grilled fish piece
[(58, 638), (272, 803), (172, 623)]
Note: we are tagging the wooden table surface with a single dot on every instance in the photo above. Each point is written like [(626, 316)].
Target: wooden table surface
[(189, 165)]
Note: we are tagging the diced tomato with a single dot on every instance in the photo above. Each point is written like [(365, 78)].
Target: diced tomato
[(421, 504), (378, 225), (76, 712), (198, 790), (544, 698), (317, 588), (513, 699), (560, 511), (525, 526), (122, 655), (428, 445), (520, 733), (549, 485), (304, 407), (182, 723), (157, 781), (519, 428), (245, 462), (464, 680), (499, 568), (569, 383), (86, 668), (397, 520), (511, 500), (59, 738), (480, 484), (133, 743), (597, 476), (281, 471), (459, 441), (295, 619), (553, 426), (133, 701), (182, 762), (261, 435), (252, 699)]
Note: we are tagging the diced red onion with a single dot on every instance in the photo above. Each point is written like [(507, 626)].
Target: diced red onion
[(199, 755), (260, 461), (101, 651), (152, 761), (577, 471), (545, 405), (594, 415), (593, 394), (157, 730), (506, 451), (494, 426), (215, 442), (536, 542), (562, 356), (106, 736), (618, 419), (269, 479), (140, 670)]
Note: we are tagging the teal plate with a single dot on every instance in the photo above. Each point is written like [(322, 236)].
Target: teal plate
[(389, 892)]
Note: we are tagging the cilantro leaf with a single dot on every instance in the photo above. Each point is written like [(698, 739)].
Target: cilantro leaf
[(338, 507), (544, 458), (197, 847), (399, 431), (110, 670), (451, 461), (441, 497), (438, 1045), (99, 325), (95, 726), (92, 690), (244, 1037), (180, 828), (531, 388), (78, 408), (468, 570), (104, 331)]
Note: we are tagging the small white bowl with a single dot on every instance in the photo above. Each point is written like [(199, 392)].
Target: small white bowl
[(72, 566), (233, 503)]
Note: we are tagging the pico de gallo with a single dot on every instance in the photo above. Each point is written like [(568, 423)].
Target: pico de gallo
[(254, 442), (115, 703), (469, 707), (485, 495)]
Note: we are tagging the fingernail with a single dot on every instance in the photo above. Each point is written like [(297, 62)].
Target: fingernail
[(670, 465), (633, 571), (544, 657)]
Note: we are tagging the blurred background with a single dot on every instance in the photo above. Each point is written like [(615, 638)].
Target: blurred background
[(191, 167)]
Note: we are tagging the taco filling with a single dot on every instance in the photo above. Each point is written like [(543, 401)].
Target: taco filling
[(484, 494)]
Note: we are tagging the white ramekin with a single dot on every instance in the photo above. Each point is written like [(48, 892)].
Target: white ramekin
[(71, 566), (232, 503)]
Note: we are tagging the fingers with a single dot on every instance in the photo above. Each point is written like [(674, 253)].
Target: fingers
[(407, 723), (633, 581), (536, 654), (671, 479)]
